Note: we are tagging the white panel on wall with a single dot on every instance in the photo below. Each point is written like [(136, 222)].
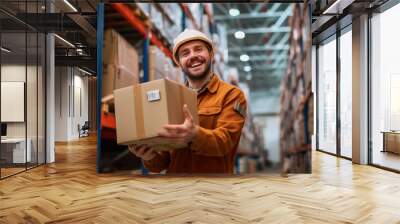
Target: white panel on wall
[(12, 101), (71, 103)]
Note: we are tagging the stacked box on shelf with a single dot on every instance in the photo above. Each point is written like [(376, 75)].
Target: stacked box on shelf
[(161, 66), (120, 63), (296, 99)]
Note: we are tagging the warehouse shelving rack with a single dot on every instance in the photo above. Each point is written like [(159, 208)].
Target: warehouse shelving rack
[(132, 23), (297, 97)]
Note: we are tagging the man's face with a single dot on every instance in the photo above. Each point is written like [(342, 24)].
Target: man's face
[(195, 59)]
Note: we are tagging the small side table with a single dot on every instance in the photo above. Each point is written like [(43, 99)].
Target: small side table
[(391, 141)]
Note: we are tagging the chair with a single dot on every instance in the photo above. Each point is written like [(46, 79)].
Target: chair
[(84, 130)]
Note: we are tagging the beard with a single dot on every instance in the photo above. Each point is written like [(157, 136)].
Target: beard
[(201, 76)]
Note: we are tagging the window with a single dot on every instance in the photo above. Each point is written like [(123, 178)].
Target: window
[(346, 93), (327, 96), (385, 88), (22, 77)]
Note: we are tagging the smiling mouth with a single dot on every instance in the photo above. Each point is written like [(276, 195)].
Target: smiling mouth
[(195, 65)]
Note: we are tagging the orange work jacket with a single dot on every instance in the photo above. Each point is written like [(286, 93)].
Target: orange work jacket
[(222, 110)]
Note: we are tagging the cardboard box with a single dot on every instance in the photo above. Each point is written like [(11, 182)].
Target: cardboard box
[(142, 110), (118, 51), (118, 76), (120, 63), (161, 67), (392, 142)]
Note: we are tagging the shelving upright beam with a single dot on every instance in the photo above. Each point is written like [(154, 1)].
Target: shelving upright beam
[(100, 36)]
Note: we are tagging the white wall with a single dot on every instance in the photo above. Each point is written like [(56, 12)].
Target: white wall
[(69, 85), (61, 103), (80, 84)]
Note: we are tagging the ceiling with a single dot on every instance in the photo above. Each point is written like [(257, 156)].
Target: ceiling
[(72, 20), (266, 41), (265, 25)]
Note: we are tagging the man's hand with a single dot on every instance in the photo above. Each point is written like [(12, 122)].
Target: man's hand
[(143, 151), (185, 132)]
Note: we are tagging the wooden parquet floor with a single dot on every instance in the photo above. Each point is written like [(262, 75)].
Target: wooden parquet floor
[(70, 191)]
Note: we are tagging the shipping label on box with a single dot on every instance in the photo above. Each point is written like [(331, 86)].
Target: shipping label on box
[(142, 110)]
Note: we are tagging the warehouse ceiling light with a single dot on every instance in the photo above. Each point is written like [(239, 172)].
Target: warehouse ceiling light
[(79, 51), (244, 57), (65, 41), (337, 7), (5, 50), (234, 12), (247, 68), (70, 5), (239, 34)]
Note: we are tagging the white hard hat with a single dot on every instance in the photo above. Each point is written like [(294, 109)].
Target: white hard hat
[(189, 35)]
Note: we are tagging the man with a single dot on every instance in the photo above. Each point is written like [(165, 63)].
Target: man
[(221, 109)]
